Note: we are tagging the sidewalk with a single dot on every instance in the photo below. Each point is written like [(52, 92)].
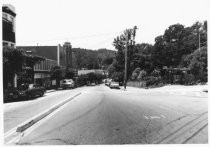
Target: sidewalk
[(52, 90), (182, 88), (192, 90)]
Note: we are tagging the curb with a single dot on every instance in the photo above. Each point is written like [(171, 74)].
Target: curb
[(48, 91), (46, 113)]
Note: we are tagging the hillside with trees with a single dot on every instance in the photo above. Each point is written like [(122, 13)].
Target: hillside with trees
[(92, 59)]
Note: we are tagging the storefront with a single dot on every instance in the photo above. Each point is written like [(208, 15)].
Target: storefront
[(42, 79)]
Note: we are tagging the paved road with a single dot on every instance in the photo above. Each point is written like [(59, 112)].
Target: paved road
[(18, 112), (111, 116)]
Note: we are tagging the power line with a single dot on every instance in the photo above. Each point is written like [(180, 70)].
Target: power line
[(74, 37)]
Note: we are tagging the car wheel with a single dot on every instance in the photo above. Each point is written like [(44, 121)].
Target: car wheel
[(15, 96), (29, 96), (41, 94)]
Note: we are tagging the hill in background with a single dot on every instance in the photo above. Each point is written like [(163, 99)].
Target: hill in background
[(92, 59)]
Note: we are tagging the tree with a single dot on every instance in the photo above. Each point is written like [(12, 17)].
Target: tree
[(119, 43), (142, 58), (157, 53), (177, 42), (13, 61), (111, 69), (118, 76), (69, 73), (57, 74), (173, 44), (92, 59), (197, 63)]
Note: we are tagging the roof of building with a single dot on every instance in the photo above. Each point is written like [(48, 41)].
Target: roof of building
[(49, 52), (8, 8)]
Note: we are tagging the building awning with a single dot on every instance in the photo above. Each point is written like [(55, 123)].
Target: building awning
[(41, 75)]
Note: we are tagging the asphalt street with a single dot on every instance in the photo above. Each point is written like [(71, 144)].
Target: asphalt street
[(100, 115)]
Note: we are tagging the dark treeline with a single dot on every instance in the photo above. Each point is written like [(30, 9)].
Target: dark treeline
[(180, 54)]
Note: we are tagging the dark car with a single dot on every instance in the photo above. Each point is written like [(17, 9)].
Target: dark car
[(12, 93), (28, 91)]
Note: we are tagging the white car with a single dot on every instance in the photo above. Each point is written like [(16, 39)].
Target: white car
[(67, 83), (114, 85)]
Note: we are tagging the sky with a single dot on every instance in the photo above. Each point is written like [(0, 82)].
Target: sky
[(93, 24)]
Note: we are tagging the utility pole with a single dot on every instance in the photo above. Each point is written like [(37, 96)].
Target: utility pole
[(126, 57), (132, 43)]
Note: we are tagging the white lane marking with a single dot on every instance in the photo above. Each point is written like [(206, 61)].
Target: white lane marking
[(162, 116), (146, 117), (154, 117), (13, 130)]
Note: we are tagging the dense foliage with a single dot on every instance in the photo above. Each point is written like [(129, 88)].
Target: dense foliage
[(92, 59), (16, 61), (179, 55), (87, 79)]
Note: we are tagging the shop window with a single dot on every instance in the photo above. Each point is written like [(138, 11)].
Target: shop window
[(4, 16)]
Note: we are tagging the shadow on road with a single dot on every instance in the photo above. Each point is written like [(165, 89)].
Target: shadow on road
[(22, 99)]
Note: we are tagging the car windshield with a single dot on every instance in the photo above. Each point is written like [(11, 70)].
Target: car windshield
[(67, 81), (23, 87)]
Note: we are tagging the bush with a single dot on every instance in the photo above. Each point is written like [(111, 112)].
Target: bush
[(189, 79), (81, 81), (142, 75), (135, 73), (151, 80), (155, 73)]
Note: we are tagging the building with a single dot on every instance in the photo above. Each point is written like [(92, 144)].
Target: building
[(54, 56), (68, 49), (55, 53), (9, 30), (8, 25)]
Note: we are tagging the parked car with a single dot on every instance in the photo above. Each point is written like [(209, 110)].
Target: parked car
[(68, 83), (114, 85), (93, 84), (108, 82), (12, 93), (27, 90)]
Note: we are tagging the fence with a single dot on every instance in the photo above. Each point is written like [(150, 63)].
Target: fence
[(139, 84)]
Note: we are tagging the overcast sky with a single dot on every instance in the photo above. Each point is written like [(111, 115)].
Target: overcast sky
[(94, 24)]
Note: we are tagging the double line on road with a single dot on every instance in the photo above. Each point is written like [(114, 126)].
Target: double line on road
[(14, 135), (190, 130)]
